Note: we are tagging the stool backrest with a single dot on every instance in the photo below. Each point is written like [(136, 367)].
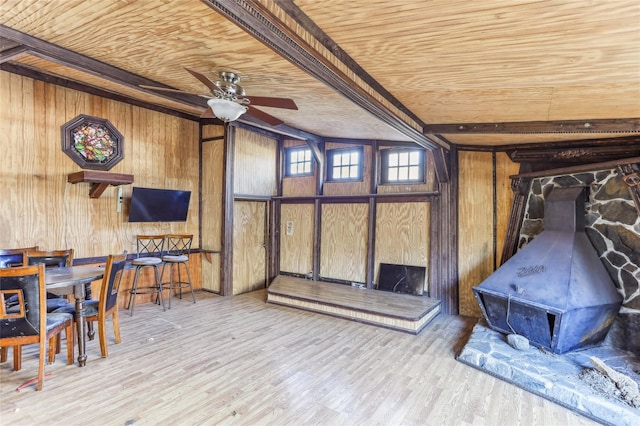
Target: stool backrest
[(149, 245), (178, 244)]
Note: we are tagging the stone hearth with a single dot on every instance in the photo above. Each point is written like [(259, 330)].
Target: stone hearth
[(555, 377)]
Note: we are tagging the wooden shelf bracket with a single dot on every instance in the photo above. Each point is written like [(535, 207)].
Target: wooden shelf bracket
[(99, 180)]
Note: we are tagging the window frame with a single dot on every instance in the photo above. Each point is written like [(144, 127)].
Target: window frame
[(287, 161), (331, 156), (384, 166)]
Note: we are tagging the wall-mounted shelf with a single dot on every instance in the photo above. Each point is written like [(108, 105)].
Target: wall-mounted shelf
[(99, 180)]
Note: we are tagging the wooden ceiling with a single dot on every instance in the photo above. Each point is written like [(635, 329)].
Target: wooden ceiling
[(431, 72)]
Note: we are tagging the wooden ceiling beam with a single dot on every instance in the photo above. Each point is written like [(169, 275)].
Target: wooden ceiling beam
[(257, 20), (68, 58), (81, 87), (617, 125), (12, 52)]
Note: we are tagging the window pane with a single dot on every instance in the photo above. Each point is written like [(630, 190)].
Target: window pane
[(403, 173), (355, 157), (307, 155), (415, 158), (307, 167), (413, 173), (353, 173), (403, 158), (393, 159), (393, 174)]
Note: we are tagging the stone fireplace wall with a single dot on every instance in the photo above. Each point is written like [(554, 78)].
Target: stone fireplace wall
[(613, 226)]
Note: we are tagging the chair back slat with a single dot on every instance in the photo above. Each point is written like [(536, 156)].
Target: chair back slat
[(50, 259), (114, 270), (25, 287)]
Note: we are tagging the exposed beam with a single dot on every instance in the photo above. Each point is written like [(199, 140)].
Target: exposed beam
[(62, 82), (62, 56), (258, 21), (618, 125), (312, 28), (9, 54)]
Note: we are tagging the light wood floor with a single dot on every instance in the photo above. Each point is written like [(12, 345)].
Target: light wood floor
[(240, 361)]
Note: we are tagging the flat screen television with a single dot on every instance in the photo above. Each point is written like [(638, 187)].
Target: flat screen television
[(159, 205)]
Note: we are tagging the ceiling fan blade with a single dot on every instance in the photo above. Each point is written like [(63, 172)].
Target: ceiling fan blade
[(261, 115), (272, 102), (204, 79)]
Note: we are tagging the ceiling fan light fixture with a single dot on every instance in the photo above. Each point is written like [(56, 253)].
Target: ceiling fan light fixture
[(225, 109)]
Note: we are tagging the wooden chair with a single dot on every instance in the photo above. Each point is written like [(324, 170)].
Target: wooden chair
[(11, 258), (50, 259), (149, 255), (107, 305), (53, 259), (29, 323), (178, 249)]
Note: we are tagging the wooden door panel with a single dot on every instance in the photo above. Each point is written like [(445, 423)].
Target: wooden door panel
[(249, 248)]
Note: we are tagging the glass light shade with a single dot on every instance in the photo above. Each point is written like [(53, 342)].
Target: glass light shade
[(226, 110)]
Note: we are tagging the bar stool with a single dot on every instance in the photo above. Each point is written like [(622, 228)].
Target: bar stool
[(178, 251), (149, 248)]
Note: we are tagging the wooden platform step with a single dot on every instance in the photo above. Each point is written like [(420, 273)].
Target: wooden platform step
[(402, 312)]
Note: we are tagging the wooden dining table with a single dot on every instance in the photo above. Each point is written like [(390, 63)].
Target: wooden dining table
[(72, 280)]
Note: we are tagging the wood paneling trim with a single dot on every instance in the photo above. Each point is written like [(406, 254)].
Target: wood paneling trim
[(617, 125), (364, 198), (578, 169), (226, 287), (444, 242), (520, 188)]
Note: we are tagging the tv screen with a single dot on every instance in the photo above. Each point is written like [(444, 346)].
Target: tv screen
[(159, 205)]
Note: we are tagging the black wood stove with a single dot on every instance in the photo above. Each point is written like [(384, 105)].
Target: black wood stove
[(555, 291)]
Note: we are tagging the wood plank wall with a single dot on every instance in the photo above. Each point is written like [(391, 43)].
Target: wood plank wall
[(254, 176), (401, 230), (343, 248), (255, 164), (296, 246), (479, 244), (402, 235), (41, 208)]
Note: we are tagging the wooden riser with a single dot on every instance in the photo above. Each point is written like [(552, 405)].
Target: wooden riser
[(395, 311)]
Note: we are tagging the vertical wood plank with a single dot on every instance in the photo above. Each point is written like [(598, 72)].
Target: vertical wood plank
[(475, 222), (343, 253), (402, 235), (296, 247)]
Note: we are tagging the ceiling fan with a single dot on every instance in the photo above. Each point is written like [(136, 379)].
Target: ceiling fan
[(228, 100)]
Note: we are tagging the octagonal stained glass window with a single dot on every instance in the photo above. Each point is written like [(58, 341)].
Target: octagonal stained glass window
[(93, 143)]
